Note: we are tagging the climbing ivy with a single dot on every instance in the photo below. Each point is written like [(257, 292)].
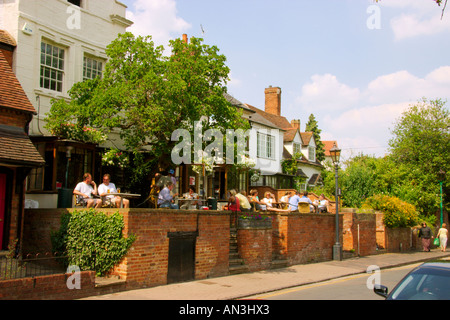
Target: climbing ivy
[(92, 240)]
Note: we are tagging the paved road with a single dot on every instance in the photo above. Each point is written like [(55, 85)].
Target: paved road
[(346, 288), (244, 285)]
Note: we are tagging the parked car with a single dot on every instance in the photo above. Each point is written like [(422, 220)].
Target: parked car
[(429, 281)]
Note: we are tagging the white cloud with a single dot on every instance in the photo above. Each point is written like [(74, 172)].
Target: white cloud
[(157, 18), (412, 25), (325, 92), (417, 18), (362, 118)]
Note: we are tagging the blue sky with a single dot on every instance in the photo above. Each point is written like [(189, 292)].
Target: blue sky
[(354, 64)]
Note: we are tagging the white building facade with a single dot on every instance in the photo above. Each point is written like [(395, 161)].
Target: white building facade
[(59, 43)]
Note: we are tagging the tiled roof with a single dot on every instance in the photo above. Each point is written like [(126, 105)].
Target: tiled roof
[(306, 137), (16, 148), (235, 102), (279, 121), (6, 38), (289, 135), (327, 146), (12, 95)]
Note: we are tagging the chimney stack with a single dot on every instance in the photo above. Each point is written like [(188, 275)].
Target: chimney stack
[(295, 124), (185, 38), (273, 100)]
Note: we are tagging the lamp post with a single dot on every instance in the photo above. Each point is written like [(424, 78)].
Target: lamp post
[(441, 178), (69, 150), (335, 156)]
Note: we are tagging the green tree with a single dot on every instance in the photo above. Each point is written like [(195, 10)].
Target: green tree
[(145, 96), (419, 147), (312, 126)]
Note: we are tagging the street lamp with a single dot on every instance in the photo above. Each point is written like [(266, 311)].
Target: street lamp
[(69, 150), (441, 178), (335, 157)]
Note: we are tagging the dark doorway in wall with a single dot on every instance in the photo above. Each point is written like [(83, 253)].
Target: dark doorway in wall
[(181, 256)]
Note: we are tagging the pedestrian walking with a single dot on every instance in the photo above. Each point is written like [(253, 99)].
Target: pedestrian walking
[(425, 234), (443, 236)]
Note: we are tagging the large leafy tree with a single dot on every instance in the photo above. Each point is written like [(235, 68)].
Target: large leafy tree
[(421, 143), (145, 95)]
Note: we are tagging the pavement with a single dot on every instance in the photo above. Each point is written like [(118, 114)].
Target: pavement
[(244, 285)]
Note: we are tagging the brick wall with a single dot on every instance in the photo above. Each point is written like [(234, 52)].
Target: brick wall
[(304, 238), (13, 118), (297, 238), (359, 232), (146, 263), (398, 239), (255, 248), (53, 287)]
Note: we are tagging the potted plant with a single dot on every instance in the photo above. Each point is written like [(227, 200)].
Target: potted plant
[(254, 220)]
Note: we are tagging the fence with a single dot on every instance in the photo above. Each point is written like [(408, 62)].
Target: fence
[(31, 265)]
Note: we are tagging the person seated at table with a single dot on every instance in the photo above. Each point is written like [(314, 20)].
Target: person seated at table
[(254, 199), (268, 199), (233, 204), (261, 205), (105, 190), (85, 190), (190, 195), (307, 200), (243, 201), (285, 198), (293, 201), (322, 204), (165, 198)]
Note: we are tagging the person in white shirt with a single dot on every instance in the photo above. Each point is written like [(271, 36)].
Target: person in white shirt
[(268, 199), (108, 187), (84, 191)]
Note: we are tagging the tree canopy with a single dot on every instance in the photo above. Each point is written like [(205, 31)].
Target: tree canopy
[(419, 149), (145, 96)]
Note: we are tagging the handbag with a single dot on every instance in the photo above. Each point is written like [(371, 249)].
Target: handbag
[(436, 242)]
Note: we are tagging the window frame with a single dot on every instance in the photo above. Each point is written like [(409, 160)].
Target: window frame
[(52, 67), (95, 60), (265, 146)]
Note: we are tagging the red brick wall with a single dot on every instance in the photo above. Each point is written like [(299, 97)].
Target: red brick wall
[(366, 243), (53, 287), (298, 238), (146, 263), (255, 248), (398, 239), (13, 118), (304, 238)]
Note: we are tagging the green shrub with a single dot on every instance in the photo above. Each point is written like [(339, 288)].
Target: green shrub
[(92, 240), (397, 213)]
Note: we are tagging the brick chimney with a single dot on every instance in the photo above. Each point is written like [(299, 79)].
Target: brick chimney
[(295, 124), (273, 100), (185, 38)]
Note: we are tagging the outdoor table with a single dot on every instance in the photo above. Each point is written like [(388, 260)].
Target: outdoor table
[(124, 195)]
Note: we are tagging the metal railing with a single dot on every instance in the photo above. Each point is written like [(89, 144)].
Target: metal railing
[(31, 265)]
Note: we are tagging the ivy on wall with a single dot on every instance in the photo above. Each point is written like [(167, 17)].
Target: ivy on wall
[(92, 240)]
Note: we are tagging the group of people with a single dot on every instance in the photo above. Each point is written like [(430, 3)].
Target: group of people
[(426, 235), (241, 202), (87, 189)]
